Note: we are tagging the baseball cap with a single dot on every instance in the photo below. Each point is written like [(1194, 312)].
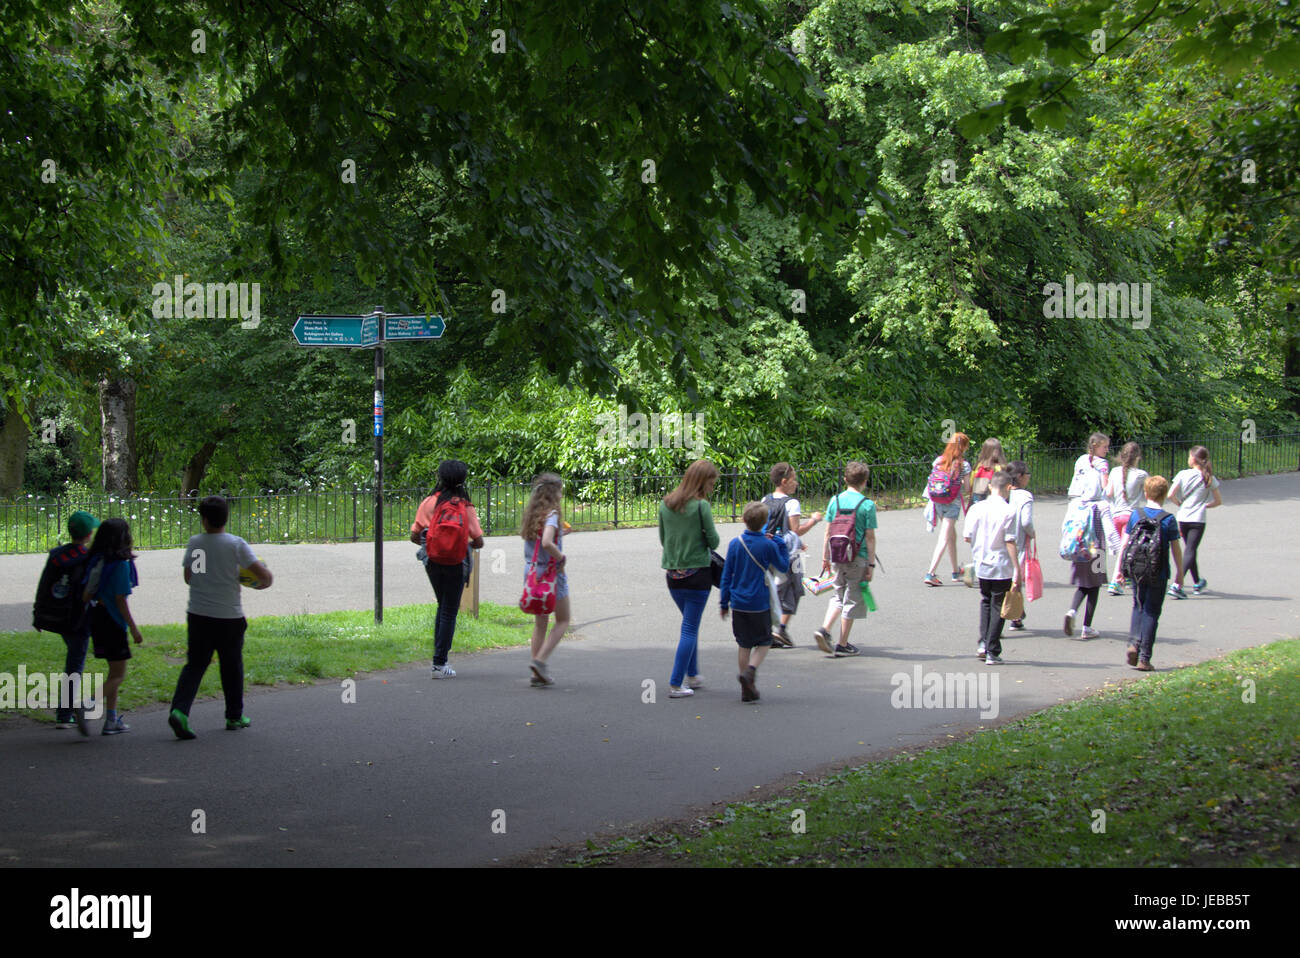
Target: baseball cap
[(81, 524)]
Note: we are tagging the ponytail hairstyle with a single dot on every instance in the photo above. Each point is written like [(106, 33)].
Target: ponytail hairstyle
[(1128, 458), (451, 481), (547, 497), (1094, 443), (1200, 457), (991, 455), (695, 484), (953, 453)]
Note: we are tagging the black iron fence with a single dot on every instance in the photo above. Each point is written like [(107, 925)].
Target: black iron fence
[(33, 524)]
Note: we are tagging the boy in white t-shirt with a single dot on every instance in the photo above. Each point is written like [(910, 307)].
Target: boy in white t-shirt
[(214, 617), (992, 530), (1022, 504), (784, 519)]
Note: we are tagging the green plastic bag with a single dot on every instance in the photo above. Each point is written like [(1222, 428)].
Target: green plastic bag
[(868, 600)]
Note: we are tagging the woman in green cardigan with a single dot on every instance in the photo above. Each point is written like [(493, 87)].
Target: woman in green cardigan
[(686, 532)]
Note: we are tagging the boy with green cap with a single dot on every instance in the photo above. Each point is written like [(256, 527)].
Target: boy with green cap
[(58, 608)]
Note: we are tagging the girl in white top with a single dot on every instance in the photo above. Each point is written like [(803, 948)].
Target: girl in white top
[(1193, 490), (1124, 488), (1091, 471)]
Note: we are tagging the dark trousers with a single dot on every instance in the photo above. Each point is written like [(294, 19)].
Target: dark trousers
[(1192, 533), (73, 664), (992, 592), (1086, 599), (205, 636), (448, 583), (1148, 600)]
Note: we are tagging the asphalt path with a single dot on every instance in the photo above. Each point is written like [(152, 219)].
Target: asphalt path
[(483, 769)]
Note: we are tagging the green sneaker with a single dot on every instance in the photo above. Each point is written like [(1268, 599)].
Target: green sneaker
[(180, 723), (234, 724)]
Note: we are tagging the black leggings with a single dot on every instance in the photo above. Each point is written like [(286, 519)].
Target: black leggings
[(1091, 595), (1192, 533)]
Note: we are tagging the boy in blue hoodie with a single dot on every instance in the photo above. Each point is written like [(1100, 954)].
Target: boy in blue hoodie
[(748, 557)]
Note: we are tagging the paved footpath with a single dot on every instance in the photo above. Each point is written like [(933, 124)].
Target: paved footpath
[(428, 773)]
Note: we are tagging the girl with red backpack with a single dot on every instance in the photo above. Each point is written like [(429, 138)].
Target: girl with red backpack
[(991, 460), (447, 526), (949, 480)]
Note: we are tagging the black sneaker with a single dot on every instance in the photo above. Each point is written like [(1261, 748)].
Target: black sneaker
[(845, 650), (1017, 625)]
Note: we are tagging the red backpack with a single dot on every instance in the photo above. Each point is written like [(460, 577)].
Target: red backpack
[(447, 541), (842, 534)]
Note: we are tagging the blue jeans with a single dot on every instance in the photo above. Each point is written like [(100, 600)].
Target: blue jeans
[(1148, 600), (73, 664), (448, 583), (692, 603)]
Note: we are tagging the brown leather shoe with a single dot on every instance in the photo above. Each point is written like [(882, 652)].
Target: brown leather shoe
[(1145, 666), (1132, 655), (746, 687)]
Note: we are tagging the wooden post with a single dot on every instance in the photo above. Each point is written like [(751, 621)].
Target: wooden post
[(471, 587)]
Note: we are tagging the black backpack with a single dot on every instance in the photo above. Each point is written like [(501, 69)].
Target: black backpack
[(778, 522), (1144, 555), (59, 606)]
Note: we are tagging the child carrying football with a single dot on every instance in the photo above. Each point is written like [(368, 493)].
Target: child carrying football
[(743, 584), (214, 618)]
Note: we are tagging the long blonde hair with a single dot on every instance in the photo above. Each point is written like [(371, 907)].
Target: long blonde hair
[(991, 455), (547, 497), (694, 482)]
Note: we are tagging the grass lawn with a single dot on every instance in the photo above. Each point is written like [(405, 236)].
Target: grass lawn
[(293, 649), (1179, 768)]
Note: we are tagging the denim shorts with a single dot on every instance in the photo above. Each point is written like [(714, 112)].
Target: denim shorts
[(948, 510)]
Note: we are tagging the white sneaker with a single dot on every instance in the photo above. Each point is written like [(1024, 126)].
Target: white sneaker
[(1089, 633), (682, 693), (443, 672)]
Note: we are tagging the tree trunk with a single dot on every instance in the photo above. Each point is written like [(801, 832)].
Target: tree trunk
[(117, 416), (13, 449), (196, 468)]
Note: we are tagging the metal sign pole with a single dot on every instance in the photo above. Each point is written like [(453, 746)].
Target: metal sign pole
[(379, 470)]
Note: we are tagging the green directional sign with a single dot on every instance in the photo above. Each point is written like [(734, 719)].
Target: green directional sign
[(414, 327), (355, 331)]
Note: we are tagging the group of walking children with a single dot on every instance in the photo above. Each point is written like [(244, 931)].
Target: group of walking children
[(82, 596), (759, 579), (1120, 511)]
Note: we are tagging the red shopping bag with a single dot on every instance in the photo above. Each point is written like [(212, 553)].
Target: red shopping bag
[(539, 590), (1033, 574)]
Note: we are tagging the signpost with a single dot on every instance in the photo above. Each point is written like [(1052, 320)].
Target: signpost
[(356, 331), (371, 332)]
